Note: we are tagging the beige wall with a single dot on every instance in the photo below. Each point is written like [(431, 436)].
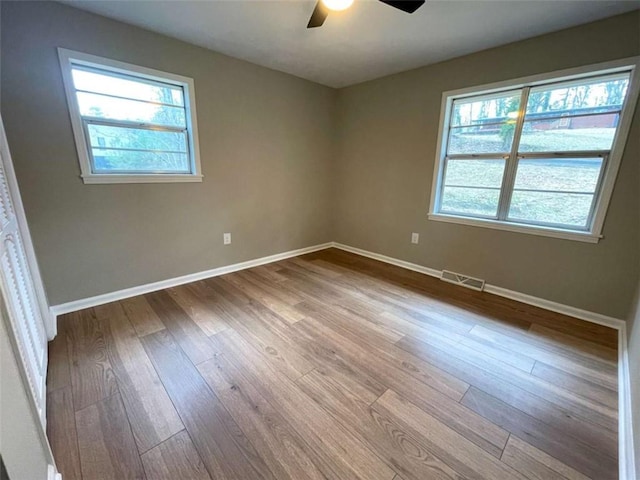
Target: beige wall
[(265, 142), (23, 448), (289, 164), (387, 141)]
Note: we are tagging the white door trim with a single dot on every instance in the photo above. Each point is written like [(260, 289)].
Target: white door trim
[(14, 191), (28, 319)]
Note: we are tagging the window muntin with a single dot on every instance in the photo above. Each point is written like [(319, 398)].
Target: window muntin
[(553, 140), (89, 79), (126, 110), (131, 124)]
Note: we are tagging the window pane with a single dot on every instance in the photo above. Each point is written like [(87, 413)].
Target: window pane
[(494, 108), (546, 190), (567, 134), (100, 106), (474, 173), (570, 209), (114, 161), (559, 174), (472, 187), (579, 96), (103, 136), (92, 81), (496, 138), (483, 124), (470, 201)]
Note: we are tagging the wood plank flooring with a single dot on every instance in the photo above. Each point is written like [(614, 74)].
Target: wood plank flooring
[(330, 366)]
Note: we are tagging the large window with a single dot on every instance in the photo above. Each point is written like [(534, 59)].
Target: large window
[(537, 155), (131, 124)]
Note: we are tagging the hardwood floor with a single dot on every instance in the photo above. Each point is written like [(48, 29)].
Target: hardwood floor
[(331, 366)]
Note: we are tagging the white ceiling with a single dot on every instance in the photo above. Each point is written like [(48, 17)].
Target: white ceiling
[(367, 41)]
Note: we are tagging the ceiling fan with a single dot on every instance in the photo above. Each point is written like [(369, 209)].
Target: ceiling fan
[(323, 7)]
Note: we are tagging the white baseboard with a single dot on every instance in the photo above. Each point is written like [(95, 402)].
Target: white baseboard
[(626, 449), (174, 282), (193, 277), (52, 473), (393, 261), (626, 452), (625, 426), (592, 317), (586, 315)]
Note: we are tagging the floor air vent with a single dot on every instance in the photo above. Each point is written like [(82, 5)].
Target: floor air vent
[(458, 279)]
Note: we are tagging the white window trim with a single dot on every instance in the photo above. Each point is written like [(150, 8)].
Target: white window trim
[(67, 57), (610, 173)]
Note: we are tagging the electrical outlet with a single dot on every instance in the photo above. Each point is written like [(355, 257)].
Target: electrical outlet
[(226, 237), (415, 237)]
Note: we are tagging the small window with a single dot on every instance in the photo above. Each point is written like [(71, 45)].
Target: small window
[(539, 156), (131, 124)]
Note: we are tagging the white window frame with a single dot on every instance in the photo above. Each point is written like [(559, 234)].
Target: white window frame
[(609, 170), (68, 58)]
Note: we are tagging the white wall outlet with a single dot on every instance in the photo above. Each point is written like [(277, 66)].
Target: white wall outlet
[(226, 237), (415, 237)]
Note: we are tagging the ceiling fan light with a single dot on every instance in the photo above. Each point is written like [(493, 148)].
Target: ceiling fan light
[(337, 5)]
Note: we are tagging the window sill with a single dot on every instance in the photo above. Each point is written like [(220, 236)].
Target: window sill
[(158, 178), (518, 227)]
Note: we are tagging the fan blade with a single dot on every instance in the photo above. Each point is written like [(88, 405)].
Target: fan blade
[(318, 16), (408, 6)]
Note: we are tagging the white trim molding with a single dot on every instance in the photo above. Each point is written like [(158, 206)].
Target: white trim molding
[(626, 455), (69, 59), (432, 272), (568, 310), (517, 227), (160, 178), (76, 305), (14, 191), (52, 473), (626, 452), (611, 159), (592, 317)]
